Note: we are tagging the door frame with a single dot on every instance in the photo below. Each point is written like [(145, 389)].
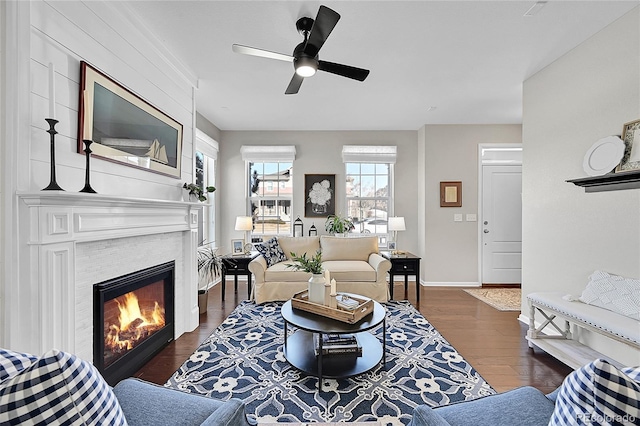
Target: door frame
[(494, 154)]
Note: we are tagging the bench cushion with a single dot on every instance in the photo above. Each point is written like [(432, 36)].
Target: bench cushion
[(607, 321)]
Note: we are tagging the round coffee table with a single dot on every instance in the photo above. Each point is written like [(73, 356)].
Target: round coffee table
[(299, 347)]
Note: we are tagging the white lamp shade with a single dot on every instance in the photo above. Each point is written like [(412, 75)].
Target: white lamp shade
[(244, 223), (396, 224)]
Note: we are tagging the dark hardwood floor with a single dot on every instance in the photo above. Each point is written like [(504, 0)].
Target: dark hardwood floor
[(490, 340)]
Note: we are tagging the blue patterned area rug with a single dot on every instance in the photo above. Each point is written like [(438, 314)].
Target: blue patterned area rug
[(243, 359)]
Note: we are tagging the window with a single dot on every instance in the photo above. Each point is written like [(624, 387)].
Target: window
[(206, 156), (270, 189), (369, 188)]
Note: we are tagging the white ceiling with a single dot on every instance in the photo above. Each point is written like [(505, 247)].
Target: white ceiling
[(431, 62)]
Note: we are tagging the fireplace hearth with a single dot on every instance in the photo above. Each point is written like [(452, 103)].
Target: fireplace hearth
[(133, 320)]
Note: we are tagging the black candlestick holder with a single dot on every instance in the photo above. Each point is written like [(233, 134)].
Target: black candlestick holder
[(87, 150), (53, 185)]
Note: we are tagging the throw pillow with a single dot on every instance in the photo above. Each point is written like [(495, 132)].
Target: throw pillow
[(58, 388), (613, 293), (12, 363), (598, 394), (271, 251)]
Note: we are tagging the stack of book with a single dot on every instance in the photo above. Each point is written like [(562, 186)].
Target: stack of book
[(338, 344)]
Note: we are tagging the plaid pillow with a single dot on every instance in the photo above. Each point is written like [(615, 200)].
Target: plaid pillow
[(271, 251), (58, 388), (12, 363), (598, 394)]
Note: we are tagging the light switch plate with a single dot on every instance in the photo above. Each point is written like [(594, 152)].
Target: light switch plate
[(457, 217), (471, 217)]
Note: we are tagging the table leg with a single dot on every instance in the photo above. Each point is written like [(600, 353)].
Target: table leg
[(406, 286), (286, 334), (235, 283), (391, 285), (418, 282), (249, 285), (384, 343), (319, 362), (223, 282)]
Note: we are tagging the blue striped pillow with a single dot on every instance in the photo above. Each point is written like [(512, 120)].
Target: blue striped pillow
[(598, 394), (12, 363), (56, 388)]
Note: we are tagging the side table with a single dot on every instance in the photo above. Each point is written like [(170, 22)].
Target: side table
[(403, 264), (237, 265)]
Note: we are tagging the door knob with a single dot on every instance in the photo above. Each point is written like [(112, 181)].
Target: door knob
[(486, 231)]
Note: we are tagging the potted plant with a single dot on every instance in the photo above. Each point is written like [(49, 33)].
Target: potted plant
[(209, 267), (336, 224), (197, 192), (312, 265)]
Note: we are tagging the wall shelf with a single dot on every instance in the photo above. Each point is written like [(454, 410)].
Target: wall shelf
[(609, 182)]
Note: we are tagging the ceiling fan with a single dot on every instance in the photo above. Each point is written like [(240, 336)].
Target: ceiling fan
[(305, 55)]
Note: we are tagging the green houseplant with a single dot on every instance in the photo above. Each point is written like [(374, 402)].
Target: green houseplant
[(336, 224), (197, 191), (209, 267)]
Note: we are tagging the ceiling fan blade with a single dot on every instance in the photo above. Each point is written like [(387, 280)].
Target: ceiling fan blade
[(343, 70), (246, 50), (322, 27), (294, 84)]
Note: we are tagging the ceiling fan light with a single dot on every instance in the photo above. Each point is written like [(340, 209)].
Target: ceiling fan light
[(306, 67)]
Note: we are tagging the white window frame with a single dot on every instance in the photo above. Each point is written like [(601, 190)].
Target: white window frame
[(376, 154), (254, 154), (207, 222)]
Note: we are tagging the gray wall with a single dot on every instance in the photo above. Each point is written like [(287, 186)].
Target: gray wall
[(586, 95), (450, 253), (317, 152)]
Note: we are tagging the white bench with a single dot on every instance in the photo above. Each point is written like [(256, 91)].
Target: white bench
[(552, 307)]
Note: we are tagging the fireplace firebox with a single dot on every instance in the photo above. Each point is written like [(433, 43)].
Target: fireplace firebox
[(133, 320)]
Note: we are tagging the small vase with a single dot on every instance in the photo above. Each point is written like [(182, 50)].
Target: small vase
[(316, 289)]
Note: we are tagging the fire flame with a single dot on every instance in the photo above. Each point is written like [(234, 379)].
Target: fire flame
[(133, 326)]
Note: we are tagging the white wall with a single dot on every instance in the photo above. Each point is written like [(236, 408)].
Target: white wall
[(108, 36), (105, 35), (450, 153), (567, 234), (317, 152)]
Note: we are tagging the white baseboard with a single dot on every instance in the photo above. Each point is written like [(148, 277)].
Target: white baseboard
[(450, 284)]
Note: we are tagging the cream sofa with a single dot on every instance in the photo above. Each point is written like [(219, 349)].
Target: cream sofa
[(355, 264)]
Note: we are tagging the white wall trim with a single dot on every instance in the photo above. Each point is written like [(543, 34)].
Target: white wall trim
[(450, 284)]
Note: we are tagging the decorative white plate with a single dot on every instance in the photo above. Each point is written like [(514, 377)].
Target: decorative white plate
[(603, 156)]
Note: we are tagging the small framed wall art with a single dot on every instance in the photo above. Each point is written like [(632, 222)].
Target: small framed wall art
[(125, 128), (451, 194), (319, 191), (631, 137)]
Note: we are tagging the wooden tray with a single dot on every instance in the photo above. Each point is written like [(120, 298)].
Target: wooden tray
[(301, 301)]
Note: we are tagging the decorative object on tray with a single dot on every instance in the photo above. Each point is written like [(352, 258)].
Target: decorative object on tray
[(365, 307), (631, 138), (125, 128), (319, 190), (197, 193), (603, 156), (87, 151), (53, 185), (336, 224), (312, 265)]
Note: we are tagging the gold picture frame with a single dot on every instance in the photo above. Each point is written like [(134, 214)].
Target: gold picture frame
[(125, 128), (451, 194), (631, 137)]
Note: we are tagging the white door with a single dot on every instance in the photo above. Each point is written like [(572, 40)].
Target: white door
[(501, 224)]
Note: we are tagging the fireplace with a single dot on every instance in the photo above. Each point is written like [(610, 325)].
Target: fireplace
[(133, 320)]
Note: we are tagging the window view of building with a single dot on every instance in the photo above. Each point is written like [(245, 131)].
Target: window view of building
[(368, 197), (270, 198)]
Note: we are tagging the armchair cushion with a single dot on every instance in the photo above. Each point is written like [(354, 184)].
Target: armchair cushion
[(147, 404)]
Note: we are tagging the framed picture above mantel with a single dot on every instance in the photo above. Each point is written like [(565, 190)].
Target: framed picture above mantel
[(124, 127)]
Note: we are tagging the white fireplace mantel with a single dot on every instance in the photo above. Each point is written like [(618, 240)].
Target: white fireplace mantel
[(49, 307)]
